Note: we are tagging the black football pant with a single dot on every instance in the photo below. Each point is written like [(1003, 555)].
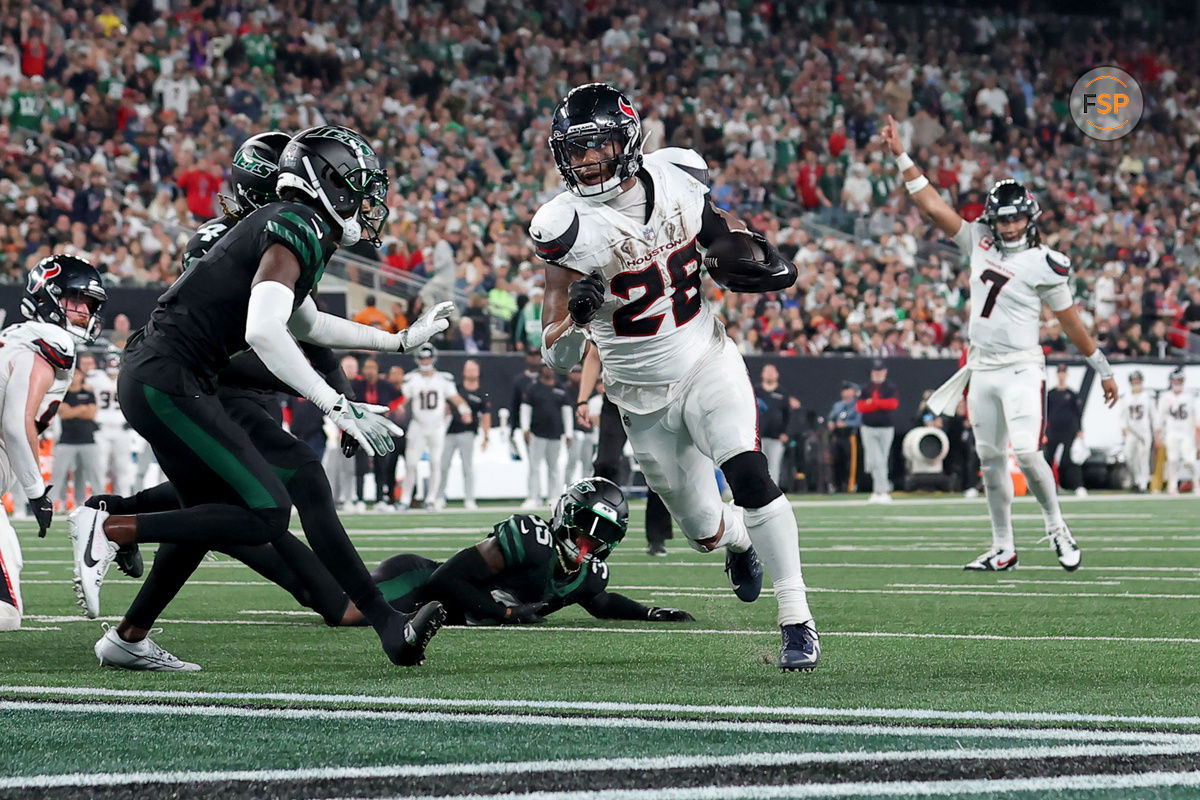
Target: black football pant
[(608, 465), (402, 579)]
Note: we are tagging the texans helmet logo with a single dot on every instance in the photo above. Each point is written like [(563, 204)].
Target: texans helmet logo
[(627, 109), (42, 275)]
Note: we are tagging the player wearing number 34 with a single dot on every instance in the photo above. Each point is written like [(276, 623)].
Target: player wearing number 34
[(623, 270), (1012, 275)]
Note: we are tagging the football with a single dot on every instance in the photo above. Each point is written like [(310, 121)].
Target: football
[(724, 253)]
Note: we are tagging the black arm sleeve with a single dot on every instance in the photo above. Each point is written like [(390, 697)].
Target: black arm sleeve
[(610, 605), (712, 225), (774, 273), (457, 585)]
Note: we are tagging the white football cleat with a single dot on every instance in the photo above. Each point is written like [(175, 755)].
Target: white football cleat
[(1081, 492), (113, 651), (1064, 546), (94, 553), (530, 505), (10, 617), (470, 505), (994, 560)]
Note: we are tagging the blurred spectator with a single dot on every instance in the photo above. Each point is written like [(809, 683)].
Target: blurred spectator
[(373, 316)]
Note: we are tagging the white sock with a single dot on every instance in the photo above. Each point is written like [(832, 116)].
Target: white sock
[(1172, 474), (1041, 483), (998, 483), (774, 533), (736, 538)]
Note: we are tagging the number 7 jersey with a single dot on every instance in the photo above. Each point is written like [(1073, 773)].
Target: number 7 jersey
[(1007, 292), (654, 325)]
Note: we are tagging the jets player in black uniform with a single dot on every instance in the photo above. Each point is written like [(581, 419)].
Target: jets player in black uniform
[(251, 290), (528, 568)]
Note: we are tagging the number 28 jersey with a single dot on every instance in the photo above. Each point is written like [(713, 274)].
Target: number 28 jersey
[(654, 325), (1007, 292)]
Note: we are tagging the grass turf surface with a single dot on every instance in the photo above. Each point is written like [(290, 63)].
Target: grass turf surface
[(911, 645)]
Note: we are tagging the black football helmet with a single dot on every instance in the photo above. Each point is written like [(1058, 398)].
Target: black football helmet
[(590, 117), (255, 170), (64, 277), (1010, 199), (336, 168), (1177, 375), (590, 519), (426, 351), (1136, 375)]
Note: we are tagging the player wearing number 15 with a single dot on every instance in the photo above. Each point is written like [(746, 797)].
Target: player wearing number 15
[(623, 269), (1012, 275)]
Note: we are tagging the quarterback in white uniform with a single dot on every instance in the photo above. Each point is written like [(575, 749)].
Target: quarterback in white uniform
[(1012, 276), (428, 391), (623, 270), (62, 301), (1176, 421), (115, 437), (1137, 429)]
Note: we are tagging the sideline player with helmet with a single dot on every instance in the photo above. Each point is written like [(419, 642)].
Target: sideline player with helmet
[(428, 391), (1012, 276), (623, 270), (1176, 421), (1137, 428), (528, 568), (62, 301), (251, 289), (114, 435)]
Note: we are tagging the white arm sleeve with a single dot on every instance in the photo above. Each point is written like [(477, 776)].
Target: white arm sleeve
[(312, 325), (24, 461), (526, 416), (267, 332), (963, 237), (1058, 296), (567, 350)]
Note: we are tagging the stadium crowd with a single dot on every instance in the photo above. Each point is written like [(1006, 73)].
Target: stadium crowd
[(119, 122)]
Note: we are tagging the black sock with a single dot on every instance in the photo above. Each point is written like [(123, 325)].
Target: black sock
[(173, 565)]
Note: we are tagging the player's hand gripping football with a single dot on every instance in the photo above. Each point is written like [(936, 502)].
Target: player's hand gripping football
[(1110, 391), (366, 423), (428, 325), (890, 134), (584, 298)]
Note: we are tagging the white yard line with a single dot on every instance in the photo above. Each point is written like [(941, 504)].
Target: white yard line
[(799, 712), (568, 766)]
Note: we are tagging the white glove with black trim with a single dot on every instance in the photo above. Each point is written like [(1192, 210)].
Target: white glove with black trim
[(428, 325), (366, 423)]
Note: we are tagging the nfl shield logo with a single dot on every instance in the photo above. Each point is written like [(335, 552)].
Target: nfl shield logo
[(648, 233)]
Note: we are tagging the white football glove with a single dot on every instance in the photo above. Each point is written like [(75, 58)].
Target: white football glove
[(428, 325), (366, 424)]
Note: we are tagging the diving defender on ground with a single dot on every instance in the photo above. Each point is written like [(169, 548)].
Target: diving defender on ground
[(251, 290), (623, 270), (1012, 275)]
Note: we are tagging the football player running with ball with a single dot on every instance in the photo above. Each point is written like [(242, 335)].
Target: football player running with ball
[(1012, 275), (251, 289), (623, 270)]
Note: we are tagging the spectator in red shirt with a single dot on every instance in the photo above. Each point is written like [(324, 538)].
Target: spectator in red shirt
[(201, 185), (33, 55), (806, 181)]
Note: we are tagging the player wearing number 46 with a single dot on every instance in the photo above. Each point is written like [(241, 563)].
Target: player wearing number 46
[(1012, 275), (623, 270)]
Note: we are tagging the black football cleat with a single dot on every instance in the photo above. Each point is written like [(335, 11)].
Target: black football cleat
[(129, 561), (745, 574), (419, 628), (801, 649)]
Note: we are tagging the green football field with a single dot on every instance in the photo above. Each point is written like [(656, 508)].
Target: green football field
[(933, 682)]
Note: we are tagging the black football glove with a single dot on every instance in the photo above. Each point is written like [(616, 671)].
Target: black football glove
[(585, 296), (349, 445), (669, 615), (525, 614), (43, 511), (774, 273)]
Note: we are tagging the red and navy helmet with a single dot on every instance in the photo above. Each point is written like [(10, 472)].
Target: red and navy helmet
[(61, 277), (1011, 199), (591, 117)]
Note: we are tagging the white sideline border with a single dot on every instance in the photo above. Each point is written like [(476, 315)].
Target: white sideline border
[(643, 764), (905, 714)]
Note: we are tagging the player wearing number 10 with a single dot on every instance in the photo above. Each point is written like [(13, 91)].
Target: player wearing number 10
[(630, 225), (1012, 275)]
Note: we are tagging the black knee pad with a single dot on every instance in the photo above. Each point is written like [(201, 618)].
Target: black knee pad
[(750, 480), (275, 520)]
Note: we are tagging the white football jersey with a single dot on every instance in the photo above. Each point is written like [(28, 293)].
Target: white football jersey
[(1007, 292), (108, 407), (1137, 414), (53, 344), (427, 394), (1176, 413), (654, 326)]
